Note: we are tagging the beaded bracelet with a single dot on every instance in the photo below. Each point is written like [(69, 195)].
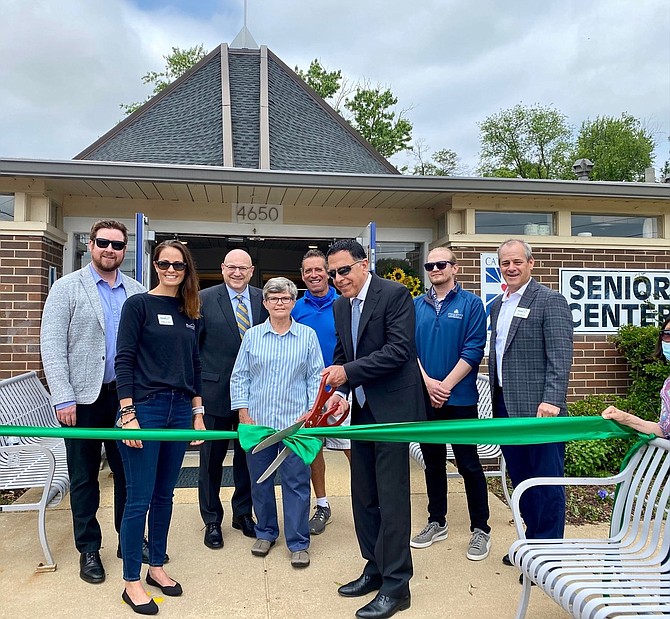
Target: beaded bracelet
[(126, 410), (127, 421)]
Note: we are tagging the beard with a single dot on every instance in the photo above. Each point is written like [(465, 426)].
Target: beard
[(106, 264)]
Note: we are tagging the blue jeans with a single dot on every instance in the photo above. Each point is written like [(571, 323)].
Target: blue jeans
[(295, 476), (151, 475)]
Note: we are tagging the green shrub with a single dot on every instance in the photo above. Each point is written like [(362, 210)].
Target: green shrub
[(594, 458)]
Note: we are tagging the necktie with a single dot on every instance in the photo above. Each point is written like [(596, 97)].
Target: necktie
[(242, 316), (355, 321)]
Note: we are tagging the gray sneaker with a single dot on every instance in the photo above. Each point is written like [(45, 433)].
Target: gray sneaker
[(318, 522), (479, 546), (432, 532)]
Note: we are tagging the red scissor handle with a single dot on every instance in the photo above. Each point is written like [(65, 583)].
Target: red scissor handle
[(316, 416)]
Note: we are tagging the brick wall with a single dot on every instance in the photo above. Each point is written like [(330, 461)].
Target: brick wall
[(597, 366), (24, 280)]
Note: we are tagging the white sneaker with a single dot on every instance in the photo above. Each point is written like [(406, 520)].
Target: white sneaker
[(432, 532), (479, 546)]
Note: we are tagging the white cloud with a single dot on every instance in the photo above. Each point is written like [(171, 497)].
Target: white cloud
[(68, 65)]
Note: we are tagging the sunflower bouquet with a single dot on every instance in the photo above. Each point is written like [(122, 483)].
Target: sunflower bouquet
[(411, 282)]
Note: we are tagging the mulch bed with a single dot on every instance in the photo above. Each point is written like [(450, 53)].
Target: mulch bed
[(584, 504)]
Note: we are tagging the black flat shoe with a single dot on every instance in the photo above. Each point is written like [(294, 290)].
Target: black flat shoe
[(363, 585), (245, 524), (90, 568), (171, 590), (150, 608), (507, 561), (213, 535), (383, 607)]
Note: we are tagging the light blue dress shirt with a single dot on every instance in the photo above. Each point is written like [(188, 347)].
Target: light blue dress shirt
[(276, 377)]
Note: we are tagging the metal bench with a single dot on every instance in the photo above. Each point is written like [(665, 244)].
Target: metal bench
[(489, 455), (42, 461), (624, 575)]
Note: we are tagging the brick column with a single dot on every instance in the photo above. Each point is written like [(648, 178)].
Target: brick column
[(24, 282)]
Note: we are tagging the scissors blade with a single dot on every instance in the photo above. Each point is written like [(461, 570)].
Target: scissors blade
[(283, 454), (278, 436)]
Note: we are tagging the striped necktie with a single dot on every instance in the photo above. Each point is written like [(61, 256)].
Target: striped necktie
[(355, 322), (242, 316)]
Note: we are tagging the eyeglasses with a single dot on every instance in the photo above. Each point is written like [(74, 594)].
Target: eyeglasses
[(440, 264), (278, 300), (164, 265), (233, 268), (665, 335), (104, 244), (342, 271)]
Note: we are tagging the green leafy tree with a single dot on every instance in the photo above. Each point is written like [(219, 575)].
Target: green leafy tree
[(441, 163), (620, 148), (374, 116), (176, 64), (325, 83), (529, 142)]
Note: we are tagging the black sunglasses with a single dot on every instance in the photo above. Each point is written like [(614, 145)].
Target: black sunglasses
[(665, 335), (104, 244), (164, 265), (342, 271), (440, 264)]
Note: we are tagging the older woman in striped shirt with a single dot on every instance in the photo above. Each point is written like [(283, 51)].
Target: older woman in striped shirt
[(274, 381)]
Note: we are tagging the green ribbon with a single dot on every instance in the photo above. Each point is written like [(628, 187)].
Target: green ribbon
[(514, 431)]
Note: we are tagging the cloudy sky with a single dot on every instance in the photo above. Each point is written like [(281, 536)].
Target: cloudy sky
[(66, 65)]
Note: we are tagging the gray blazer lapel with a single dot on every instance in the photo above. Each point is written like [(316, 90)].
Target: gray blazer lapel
[(91, 290), (525, 302)]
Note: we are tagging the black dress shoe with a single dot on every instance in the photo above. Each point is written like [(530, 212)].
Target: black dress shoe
[(90, 568), (383, 606), (171, 590), (507, 561), (150, 608), (213, 535), (145, 553), (245, 524), (363, 585)]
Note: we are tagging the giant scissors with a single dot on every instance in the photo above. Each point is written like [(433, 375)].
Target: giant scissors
[(316, 416)]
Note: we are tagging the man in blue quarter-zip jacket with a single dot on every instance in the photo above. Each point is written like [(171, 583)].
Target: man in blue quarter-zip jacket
[(450, 340)]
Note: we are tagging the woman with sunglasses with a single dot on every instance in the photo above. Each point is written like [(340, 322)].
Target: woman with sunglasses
[(159, 386), (662, 427)]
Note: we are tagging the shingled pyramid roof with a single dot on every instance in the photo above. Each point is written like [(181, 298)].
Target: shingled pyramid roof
[(240, 108)]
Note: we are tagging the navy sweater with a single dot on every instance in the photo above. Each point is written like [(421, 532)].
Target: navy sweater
[(156, 348)]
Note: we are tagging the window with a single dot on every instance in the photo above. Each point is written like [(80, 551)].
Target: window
[(6, 207), (82, 257), (615, 225), (408, 256), (499, 222)]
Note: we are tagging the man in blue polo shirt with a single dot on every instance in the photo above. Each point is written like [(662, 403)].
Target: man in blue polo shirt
[(450, 339), (315, 309)]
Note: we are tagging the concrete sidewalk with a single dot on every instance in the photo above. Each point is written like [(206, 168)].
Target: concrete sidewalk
[(231, 582)]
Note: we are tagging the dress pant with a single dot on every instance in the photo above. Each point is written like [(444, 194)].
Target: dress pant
[(469, 467), (381, 505), (295, 489), (152, 472), (83, 465), (212, 454), (543, 507)]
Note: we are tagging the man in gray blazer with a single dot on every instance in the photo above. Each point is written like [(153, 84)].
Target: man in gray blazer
[(529, 369), (226, 310), (78, 346)]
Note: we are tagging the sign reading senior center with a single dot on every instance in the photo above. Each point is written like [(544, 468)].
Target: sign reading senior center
[(602, 300)]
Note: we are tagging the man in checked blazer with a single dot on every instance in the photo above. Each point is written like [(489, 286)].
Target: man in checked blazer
[(220, 339), (529, 369), (78, 346), (383, 363)]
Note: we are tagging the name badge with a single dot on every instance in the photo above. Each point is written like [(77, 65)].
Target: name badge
[(165, 319), (521, 312)]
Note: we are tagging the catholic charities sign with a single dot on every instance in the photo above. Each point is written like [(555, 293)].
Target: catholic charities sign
[(602, 300)]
